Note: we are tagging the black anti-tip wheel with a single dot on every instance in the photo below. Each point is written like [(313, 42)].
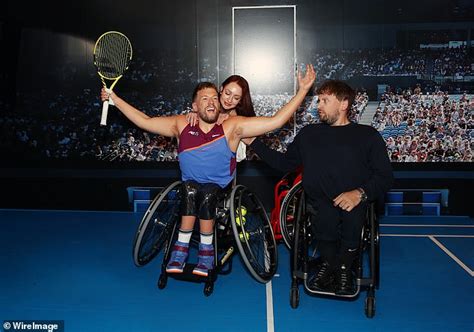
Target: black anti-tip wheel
[(294, 297), (162, 281), (208, 288), (370, 307)]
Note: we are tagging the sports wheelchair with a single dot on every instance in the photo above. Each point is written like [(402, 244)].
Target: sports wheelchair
[(295, 223), (286, 194), (241, 223)]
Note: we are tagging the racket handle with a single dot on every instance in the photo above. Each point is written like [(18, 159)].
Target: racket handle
[(105, 110), (111, 101)]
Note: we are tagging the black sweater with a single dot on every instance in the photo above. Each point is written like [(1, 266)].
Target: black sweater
[(335, 159)]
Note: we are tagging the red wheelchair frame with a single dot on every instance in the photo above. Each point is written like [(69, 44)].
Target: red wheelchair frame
[(280, 191)]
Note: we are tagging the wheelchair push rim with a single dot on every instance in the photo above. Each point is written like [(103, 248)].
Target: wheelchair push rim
[(289, 208), (156, 224), (253, 235)]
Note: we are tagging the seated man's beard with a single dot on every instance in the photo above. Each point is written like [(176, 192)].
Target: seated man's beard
[(208, 119), (330, 119)]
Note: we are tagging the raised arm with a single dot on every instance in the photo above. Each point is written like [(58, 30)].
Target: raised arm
[(254, 126), (166, 125)]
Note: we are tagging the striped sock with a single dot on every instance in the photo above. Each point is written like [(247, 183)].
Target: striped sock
[(184, 235), (206, 238)]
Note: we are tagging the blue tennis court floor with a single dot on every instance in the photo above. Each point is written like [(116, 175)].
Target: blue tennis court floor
[(76, 267)]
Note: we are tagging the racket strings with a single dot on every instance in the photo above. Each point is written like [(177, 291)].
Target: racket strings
[(113, 53)]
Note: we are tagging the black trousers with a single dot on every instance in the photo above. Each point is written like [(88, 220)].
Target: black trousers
[(330, 223)]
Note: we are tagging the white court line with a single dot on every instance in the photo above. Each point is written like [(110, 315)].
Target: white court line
[(432, 238), (270, 319), (450, 254), (437, 225), (427, 235), (269, 293)]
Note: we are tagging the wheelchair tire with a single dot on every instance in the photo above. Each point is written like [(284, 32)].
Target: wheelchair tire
[(156, 224), (162, 281), (208, 288), (254, 235), (294, 297), (288, 212), (377, 254), (370, 307)]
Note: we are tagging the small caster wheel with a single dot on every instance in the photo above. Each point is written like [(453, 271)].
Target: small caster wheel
[(162, 281), (208, 288), (370, 307), (294, 297)]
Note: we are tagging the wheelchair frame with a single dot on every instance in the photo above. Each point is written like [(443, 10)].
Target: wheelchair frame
[(280, 193), (300, 260), (228, 236)]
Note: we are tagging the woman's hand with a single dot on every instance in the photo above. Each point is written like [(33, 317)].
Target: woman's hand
[(222, 117), (307, 81), (192, 118)]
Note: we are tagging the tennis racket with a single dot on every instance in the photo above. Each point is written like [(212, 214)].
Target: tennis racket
[(112, 55)]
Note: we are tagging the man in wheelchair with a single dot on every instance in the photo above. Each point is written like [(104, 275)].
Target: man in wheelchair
[(345, 165), (206, 154), (197, 200)]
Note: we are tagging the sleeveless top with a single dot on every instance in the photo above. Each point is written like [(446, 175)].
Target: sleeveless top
[(206, 157)]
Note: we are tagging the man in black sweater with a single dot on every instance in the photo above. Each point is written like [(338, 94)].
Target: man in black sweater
[(344, 166)]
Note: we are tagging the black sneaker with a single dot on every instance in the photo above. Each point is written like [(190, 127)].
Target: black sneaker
[(344, 281), (324, 278)]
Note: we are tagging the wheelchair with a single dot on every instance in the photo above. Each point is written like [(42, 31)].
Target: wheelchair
[(286, 194), (241, 224), (295, 223)]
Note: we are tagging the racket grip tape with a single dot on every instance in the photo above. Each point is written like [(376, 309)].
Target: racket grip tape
[(105, 110), (111, 101)]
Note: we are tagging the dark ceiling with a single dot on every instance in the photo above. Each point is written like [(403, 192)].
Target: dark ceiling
[(87, 15)]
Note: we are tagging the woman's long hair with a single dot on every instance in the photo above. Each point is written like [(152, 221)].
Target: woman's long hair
[(245, 105)]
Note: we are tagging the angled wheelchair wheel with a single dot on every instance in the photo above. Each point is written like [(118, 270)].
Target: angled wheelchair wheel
[(157, 222), (253, 234), (299, 252), (288, 211), (376, 239)]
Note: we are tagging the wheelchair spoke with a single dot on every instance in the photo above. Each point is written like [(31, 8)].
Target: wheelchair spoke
[(254, 234), (154, 229)]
